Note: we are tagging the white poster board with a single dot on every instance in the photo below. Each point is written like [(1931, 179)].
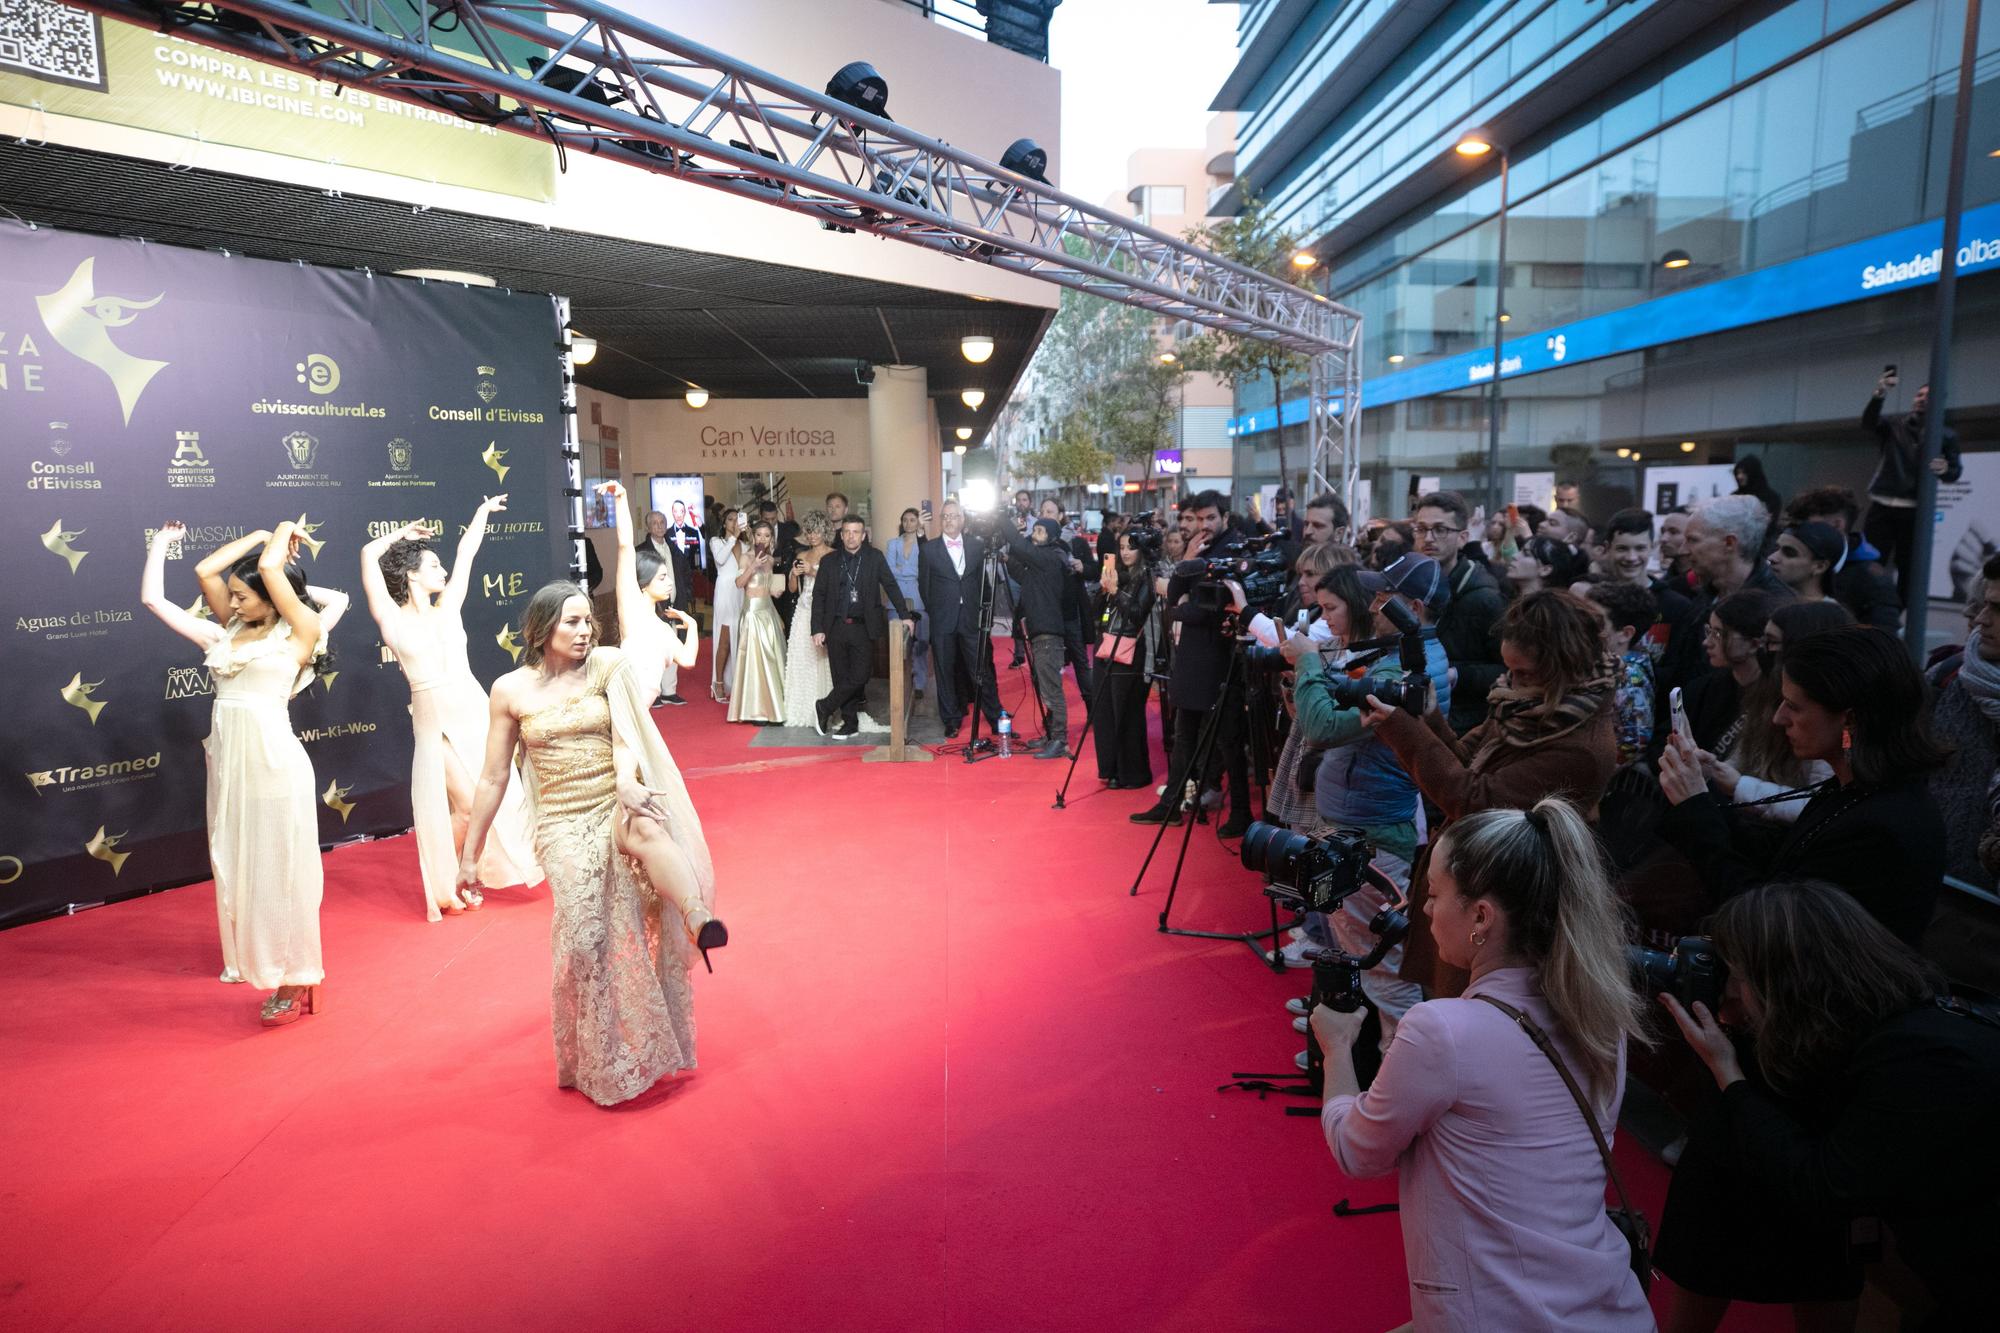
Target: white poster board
[(1968, 526), (1535, 488), (1364, 501), (1677, 487)]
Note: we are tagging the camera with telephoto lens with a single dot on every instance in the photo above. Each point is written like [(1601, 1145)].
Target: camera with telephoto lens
[(1692, 972), (1303, 873), (1410, 692)]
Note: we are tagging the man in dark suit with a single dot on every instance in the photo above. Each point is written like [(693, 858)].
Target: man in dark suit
[(659, 540), (950, 578), (847, 618), (687, 537)]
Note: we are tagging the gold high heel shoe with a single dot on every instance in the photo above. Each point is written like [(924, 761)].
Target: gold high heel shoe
[(281, 1009)]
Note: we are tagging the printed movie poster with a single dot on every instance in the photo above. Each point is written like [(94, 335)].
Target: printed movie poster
[(143, 383)]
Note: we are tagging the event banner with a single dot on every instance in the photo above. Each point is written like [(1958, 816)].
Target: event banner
[(70, 62), (145, 383)]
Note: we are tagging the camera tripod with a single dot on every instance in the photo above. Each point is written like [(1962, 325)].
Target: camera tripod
[(981, 666), (1189, 804), (1090, 717)]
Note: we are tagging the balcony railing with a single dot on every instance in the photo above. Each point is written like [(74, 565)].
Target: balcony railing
[(1021, 26)]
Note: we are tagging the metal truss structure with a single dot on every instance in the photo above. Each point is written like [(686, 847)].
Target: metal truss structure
[(615, 86)]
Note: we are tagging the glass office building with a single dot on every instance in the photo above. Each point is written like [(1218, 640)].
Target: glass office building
[(1721, 223)]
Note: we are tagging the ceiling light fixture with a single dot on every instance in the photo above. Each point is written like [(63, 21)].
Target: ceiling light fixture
[(582, 348), (963, 432), (1473, 145), (1687, 446), (458, 275), (972, 398), (977, 347), (1624, 453), (1676, 259), (697, 397), (1395, 358), (958, 449)]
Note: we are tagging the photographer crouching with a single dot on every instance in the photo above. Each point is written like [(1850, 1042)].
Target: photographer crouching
[(1359, 782), (1500, 1147), (1869, 1094)]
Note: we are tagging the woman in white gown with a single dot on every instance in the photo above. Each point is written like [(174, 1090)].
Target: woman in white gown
[(263, 821), (418, 605), (725, 551), (808, 677)]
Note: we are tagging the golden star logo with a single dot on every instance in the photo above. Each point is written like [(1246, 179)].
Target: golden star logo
[(77, 695), (492, 458), (57, 542), (81, 322), (505, 638), (326, 678), (198, 608), (103, 846), (336, 800), (306, 538)]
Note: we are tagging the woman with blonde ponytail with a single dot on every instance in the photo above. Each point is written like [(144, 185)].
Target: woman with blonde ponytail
[(1501, 1181)]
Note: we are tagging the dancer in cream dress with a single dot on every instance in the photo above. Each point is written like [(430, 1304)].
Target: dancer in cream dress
[(725, 551), (263, 823), (418, 606)]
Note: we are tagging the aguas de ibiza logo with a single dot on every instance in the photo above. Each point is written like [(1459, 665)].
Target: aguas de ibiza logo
[(81, 322)]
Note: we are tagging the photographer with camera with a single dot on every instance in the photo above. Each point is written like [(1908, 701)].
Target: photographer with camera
[(1358, 782), (1851, 699), (1500, 1148), (1867, 1095), (1201, 664), (1042, 564), (1123, 762), (1551, 729)]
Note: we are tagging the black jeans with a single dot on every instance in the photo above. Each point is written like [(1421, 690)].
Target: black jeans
[(1893, 531), (1120, 723), (851, 657), (961, 677)]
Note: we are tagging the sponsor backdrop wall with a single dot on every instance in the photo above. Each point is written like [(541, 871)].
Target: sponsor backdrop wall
[(141, 383)]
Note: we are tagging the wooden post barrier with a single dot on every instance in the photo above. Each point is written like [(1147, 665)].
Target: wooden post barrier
[(899, 750)]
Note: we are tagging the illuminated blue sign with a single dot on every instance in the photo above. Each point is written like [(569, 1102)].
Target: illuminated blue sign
[(1910, 257)]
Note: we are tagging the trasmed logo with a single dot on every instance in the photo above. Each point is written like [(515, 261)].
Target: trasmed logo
[(66, 779), (494, 453), (81, 322), (189, 682), (320, 373), (335, 797), (486, 388), (77, 695), (189, 466), (103, 845), (57, 542)]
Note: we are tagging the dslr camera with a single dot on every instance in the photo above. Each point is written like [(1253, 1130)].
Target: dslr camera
[(1306, 874), (1692, 972)]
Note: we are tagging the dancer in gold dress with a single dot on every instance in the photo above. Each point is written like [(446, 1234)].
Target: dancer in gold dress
[(757, 692), (596, 767), (418, 606)]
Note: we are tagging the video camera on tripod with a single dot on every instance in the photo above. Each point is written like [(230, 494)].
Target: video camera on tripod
[(1259, 568)]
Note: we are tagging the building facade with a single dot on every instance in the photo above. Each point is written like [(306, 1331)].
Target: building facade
[(1720, 222)]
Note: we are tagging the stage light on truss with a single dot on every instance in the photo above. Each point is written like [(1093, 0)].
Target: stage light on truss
[(582, 348), (697, 397), (858, 85), (963, 432), (565, 79), (978, 497), (972, 398), (1027, 158), (976, 347)]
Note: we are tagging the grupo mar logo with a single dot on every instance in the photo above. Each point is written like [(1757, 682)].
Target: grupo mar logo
[(319, 372), (81, 322)]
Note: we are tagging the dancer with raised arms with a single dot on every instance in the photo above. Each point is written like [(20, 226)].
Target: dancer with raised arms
[(616, 834), (263, 826), (418, 606)]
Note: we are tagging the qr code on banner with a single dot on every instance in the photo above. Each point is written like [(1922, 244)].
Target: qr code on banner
[(50, 41)]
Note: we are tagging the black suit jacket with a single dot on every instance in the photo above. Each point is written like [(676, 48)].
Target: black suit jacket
[(683, 599), (951, 600), (873, 582)]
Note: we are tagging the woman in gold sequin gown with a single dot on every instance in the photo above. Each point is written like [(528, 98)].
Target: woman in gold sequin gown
[(622, 1006)]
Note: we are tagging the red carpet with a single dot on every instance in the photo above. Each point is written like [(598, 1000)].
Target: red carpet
[(951, 1078)]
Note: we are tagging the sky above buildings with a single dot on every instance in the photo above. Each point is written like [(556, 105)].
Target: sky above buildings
[(1136, 74)]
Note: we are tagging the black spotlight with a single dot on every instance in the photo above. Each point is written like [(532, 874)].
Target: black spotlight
[(860, 87), (1027, 158), (566, 80)]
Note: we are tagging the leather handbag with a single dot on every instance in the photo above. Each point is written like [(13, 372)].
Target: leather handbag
[(1631, 1223), (1117, 648)]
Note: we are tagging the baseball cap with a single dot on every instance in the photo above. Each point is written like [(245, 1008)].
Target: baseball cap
[(1415, 576)]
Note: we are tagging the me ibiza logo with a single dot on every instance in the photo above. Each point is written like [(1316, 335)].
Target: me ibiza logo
[(319, 372), (56, 541), (486, 388), (81, 322), (301, 450)]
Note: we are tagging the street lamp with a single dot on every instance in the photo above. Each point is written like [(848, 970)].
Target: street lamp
[(1475, 146)]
